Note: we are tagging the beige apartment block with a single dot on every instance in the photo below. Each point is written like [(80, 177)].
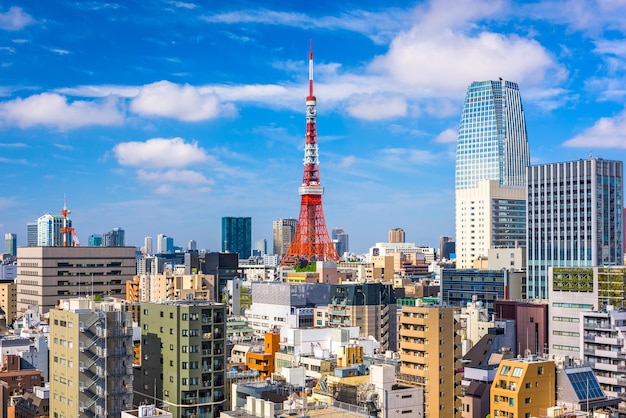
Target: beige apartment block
[(429, 357), (47, 274)]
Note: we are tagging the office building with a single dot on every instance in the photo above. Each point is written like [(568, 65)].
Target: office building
[(183, 357), (49, 231), (430, 355), (10, 244), (575, 214), (492, 142), (94, 240), (147, 245), (447, 248), (91, 354), (396, 235), (492, 154), (283, 231), (260, 247), (237, 236), (113, 238), (488, 215), (370, 306), (31, 234), (192, 245), (47, 274), (341, 241), (459, 286), (523, 387), (165, 244)]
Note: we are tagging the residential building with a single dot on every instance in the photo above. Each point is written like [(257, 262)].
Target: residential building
[(47, 274), (530, 319), (8, 300), (113, 238), (10, 244), (396, 235), (183, 357), (237, 236), (283, 231), (91, 354), (165, 244), (430, 356), (260, 247), (575, 214), (523, 387), (369, 306), (492, 146), (146, 411), (49, 231), (35, 404)]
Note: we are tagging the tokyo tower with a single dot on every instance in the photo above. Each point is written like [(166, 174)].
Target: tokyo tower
[(311, 241)]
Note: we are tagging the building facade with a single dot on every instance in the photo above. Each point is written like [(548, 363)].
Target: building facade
[(183, 357), (430, 357), (396, 235), (341, 241), (47, 274), (91, 354), (283, 232), (10, 244), (49, 231), (113, 238), (237, 236), (575, 214)]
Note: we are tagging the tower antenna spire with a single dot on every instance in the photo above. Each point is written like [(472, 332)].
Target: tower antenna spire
[(311, 241)]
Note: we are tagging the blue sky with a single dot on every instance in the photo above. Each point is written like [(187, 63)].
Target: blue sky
[(164, 116)]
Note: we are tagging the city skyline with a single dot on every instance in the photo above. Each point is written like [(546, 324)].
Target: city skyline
[(165, 117)]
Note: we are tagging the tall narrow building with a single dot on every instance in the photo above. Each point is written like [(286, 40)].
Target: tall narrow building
[(183, 357), (492, 146), (113, 238), (430, 357), (91, 354), (237, 236), (10, 244), (341, 241), (283, 231), (575, 219), (49, 231)]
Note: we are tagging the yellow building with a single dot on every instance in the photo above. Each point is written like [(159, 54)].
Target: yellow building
[(8, 300), (523, 387), (429, 357)]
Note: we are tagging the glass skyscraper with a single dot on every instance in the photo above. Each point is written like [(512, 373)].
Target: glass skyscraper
[(492, 143), (491, 160), (237, 236)]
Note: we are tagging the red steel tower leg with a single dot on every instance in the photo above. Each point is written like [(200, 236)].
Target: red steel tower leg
[(311, 241)]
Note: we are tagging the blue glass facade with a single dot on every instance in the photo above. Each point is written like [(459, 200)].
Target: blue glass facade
[(492, 143), (459, 285), (237, 236)]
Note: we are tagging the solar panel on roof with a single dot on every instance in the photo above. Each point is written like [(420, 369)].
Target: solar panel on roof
[(584, 383)]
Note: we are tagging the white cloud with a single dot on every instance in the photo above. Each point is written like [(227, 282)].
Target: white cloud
[(183, 102), (14, 19), (347, 161), (160, 153), (403, 157), (605, 133), (54, 110), (378, 26), (377, 107), (173, 176), (183, 5), (13, 145), (449, 136)]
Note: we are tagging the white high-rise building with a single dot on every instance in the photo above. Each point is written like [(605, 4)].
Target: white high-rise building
[(284, 230), (147, 244), (49, 231), (488, 216)]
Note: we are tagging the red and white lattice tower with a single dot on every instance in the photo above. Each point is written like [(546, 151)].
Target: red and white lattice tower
[(311, 241)]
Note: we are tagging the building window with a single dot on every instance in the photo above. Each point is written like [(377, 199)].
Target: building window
[(540, 370), (517, 372)]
